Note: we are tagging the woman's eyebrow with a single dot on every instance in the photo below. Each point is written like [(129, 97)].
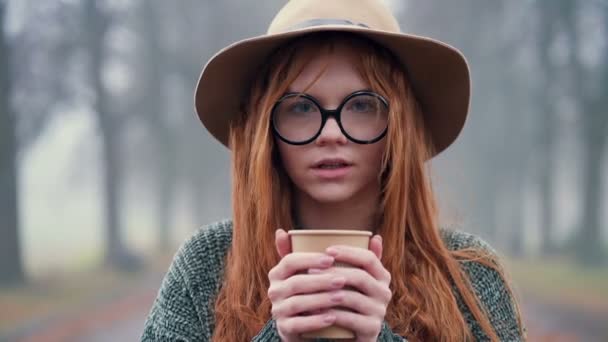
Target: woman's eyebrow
[(318, 97)]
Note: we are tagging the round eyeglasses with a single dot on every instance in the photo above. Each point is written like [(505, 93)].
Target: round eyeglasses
[(298, 119)]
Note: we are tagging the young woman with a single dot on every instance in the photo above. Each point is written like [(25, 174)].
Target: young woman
[(330, 118)]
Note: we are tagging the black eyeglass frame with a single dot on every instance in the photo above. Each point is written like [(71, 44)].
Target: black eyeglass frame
[(326, 114)]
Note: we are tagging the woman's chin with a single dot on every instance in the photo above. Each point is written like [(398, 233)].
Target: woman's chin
[(331, 196)]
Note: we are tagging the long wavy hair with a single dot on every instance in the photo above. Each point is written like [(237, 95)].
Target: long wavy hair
[(423, 306)]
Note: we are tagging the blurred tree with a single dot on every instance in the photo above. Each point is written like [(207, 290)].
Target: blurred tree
[(589, 82), (548, 16), (11, 264), (491, 35), (46, 55), (111, 124), (198, 30), (204, 164), (509, 81), (154, 103), (517, 98), (37, 65)]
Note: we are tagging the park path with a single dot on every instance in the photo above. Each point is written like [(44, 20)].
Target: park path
[(123, 319)]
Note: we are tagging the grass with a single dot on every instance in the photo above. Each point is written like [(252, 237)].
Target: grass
[(60, 294), (555, 280), (561, 280)]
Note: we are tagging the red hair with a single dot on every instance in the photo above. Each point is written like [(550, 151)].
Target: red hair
[(423, 306)]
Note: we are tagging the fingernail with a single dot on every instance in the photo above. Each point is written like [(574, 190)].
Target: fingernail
[(329, 318), (337, 297), (332, 250), (327, 261), (314, 271), (338, 282)]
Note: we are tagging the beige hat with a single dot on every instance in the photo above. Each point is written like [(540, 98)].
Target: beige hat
[(438, 73)]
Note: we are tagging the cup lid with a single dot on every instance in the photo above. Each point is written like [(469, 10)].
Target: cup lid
[(330, 232)]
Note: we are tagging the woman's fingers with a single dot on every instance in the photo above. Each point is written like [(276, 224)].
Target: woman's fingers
[(317, 303), (359, 303), (362, 258), (375, 245), (353, 297), (306, 303), (362, 281), (296, 325), (304, 283), (295, 262), (285, 281), (282, 242), (363, 326)]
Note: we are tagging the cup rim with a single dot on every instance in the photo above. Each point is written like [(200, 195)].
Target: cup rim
[(329, 232)]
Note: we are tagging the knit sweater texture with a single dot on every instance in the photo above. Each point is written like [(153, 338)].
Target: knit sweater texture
[(183, 308)]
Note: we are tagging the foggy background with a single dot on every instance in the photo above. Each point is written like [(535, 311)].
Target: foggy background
[(105, 168)]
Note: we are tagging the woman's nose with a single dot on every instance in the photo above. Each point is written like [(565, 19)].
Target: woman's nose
[(331, 133)]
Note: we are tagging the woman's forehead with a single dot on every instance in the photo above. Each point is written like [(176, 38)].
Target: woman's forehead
[(329, 73)]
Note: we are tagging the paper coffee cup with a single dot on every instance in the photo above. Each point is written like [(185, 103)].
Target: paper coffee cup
[(317, 240)]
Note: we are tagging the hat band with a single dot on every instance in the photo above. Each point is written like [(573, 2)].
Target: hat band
[(324, 21)]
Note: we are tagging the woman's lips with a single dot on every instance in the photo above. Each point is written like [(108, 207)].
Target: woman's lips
[(333, 172)]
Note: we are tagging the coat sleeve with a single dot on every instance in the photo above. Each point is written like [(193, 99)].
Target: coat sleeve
[(172, 317), (269, 334), (387, 335), (492, 290), (183, 308)]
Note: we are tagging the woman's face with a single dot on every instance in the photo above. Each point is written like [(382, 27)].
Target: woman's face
[(329, 183)]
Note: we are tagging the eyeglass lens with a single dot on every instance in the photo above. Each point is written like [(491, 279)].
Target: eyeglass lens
[(363, 117)]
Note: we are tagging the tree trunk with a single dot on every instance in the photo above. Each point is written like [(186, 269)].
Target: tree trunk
[(166, 190), (166, 167), (112, 183), (196, 192), (591, 248), (517, 221), (546, 159), (111, 143), (589, 245), (547, 174), (11, 265)]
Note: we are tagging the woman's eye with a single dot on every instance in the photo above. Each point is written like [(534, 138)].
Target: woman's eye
[(301, 107), (362, 106)]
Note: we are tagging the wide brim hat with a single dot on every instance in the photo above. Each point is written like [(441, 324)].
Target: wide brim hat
[(438, 73)]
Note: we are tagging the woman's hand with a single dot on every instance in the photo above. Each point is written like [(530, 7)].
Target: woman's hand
[(322, 289), (292, 291), (372, 281)]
